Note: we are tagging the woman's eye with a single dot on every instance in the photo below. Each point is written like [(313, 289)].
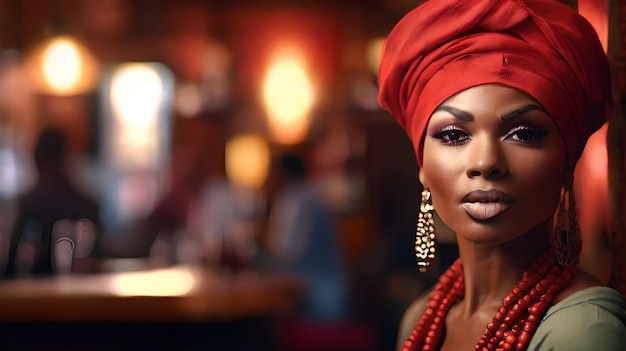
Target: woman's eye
[(525, 134), (451, 136)]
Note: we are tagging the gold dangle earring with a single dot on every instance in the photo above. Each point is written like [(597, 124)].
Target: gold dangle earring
[(425, 234), (566, 234)]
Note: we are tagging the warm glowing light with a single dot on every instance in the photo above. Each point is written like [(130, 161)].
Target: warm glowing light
[(173, 282), (137, 94), (374, 51), (288, 95), (247, 160), (63, 66)]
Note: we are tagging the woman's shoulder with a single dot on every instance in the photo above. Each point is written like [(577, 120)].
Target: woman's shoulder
[(593, 318), (411, 316)]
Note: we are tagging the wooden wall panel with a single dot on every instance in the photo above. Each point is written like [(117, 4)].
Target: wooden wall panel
[(616, 139)]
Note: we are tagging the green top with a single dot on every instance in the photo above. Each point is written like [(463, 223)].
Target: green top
[(590, 319)]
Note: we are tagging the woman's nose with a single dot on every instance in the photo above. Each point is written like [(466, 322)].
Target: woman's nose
[(486, 159)]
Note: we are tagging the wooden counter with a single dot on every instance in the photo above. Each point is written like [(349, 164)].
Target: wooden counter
[(176, 294)]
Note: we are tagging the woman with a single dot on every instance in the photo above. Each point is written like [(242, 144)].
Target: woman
[(499, 98)]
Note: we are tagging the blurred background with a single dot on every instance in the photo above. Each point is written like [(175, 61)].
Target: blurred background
[(238, 142)]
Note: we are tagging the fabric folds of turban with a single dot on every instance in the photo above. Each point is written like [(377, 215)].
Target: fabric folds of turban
[(543, 48)]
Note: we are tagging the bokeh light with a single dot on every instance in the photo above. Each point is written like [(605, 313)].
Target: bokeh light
[(288, 95), (247, 160)]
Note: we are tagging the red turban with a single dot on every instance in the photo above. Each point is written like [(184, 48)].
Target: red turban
[(543, 48)]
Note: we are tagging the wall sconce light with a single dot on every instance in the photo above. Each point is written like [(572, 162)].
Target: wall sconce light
[(62, 66), (288, 95), (247, 161)]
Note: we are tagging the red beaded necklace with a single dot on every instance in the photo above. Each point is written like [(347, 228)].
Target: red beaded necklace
[(517, 319)]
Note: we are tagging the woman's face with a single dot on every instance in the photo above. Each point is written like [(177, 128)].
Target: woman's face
[(494, 162)]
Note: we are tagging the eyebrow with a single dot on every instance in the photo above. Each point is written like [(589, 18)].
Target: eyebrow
[(468, 117), (462, 115), (521, 110)]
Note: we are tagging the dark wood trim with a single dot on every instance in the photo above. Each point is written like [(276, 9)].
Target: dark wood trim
[(616, 140)]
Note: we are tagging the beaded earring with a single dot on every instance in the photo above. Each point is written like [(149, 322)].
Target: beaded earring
[(425, 233), (566, 234)]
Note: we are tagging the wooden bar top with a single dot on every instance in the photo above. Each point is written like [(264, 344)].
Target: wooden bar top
[(176, 294)]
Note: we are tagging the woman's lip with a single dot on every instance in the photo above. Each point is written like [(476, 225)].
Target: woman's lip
[(483, 211), (491, 195)]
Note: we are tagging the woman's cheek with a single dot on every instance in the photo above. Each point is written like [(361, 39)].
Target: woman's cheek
[(442, 182)]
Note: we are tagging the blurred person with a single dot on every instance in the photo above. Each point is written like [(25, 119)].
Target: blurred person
[(183, 180), (168, 222), (225, 219), (16, 176), (600, 253), (54, 198), (302, 238), (499, 99)]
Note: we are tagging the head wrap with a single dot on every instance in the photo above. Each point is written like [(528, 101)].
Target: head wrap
[(541, 47)]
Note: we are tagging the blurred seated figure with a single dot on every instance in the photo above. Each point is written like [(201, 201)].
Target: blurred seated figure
[(599, 254), (302, 239), (46, 212), (167, 223), (225, 218)]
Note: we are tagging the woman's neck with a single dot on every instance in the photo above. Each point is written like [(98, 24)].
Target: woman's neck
[(490, 271)]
